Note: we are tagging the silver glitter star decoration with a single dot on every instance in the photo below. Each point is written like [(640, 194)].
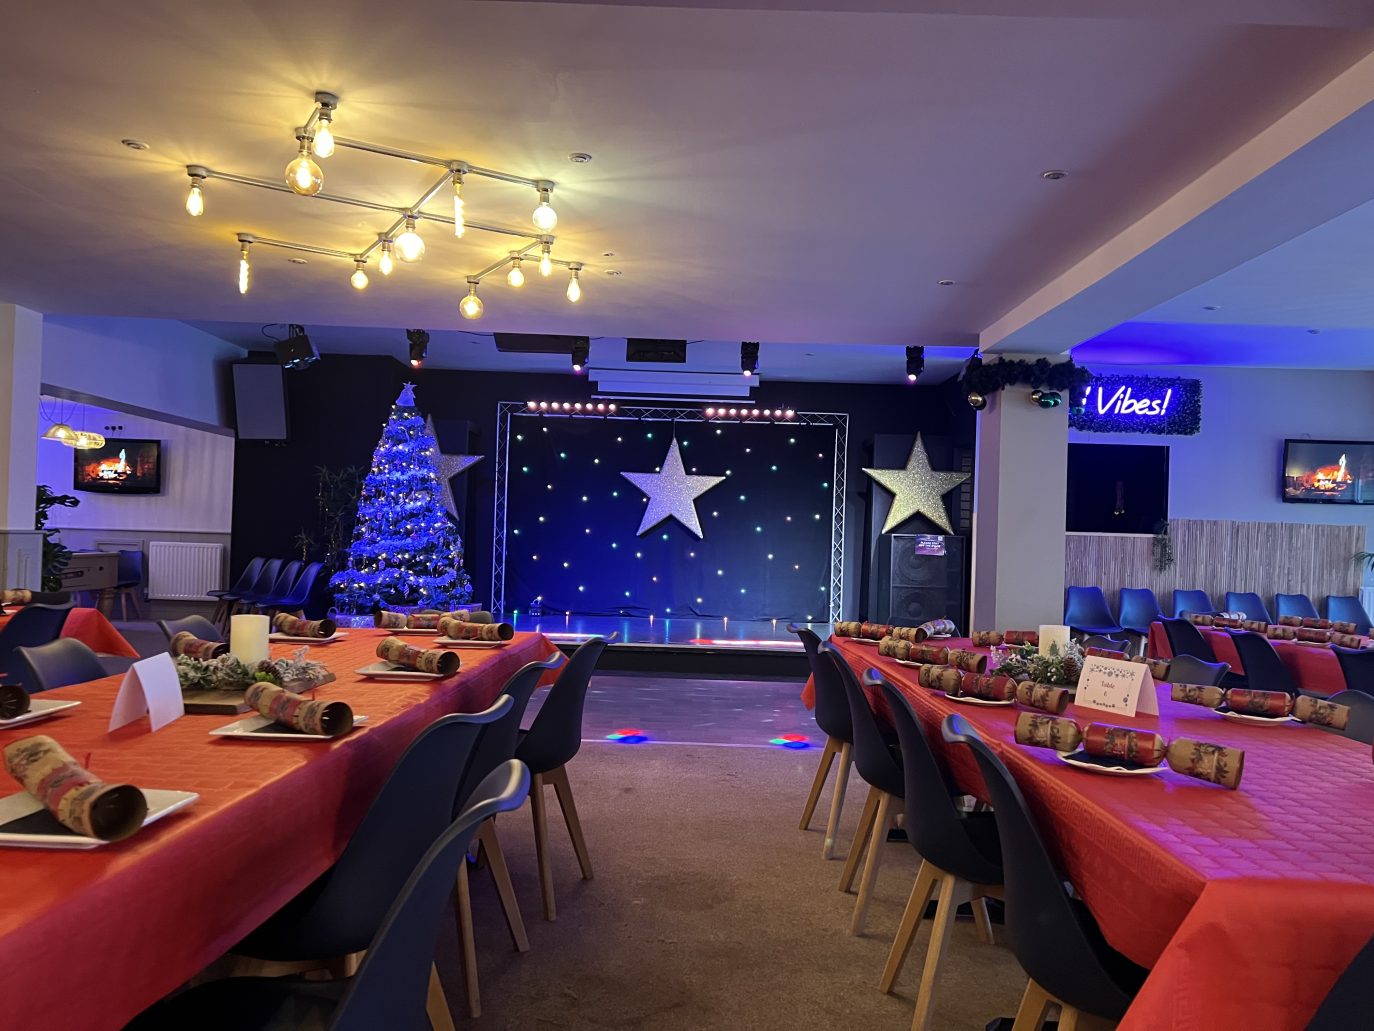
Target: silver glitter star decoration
[(917, 490), (672, 492), (449, 466)]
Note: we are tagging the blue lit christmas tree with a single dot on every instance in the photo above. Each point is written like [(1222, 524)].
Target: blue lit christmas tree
[(405, 549)]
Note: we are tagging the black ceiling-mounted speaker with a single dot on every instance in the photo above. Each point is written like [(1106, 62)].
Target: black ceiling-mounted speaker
[(669, 351), (537, 343), (296, 351)]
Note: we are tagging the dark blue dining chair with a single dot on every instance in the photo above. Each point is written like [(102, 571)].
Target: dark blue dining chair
[(128, 582), (1347, 608), (1186, 639), (58, 663), (1052, 933), (832, 716), (1112, 644), (1086, 610), (31, 626), (1357, 666), (394, 985), (553, 741), (299, 594), (226, 598), (879, 762), (262, 585), (1249, 603), (1192, 601), (1139, 608), (1294, 605), (961, 858), (281, 586), (1264, 670), (1360, 723), (196, 626), (1189, 669), (1347, 1006)]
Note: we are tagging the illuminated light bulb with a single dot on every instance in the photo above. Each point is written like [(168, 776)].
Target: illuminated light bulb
[(710, 412), (410, 245), (544, 217), (546, 260), (578, 406), (515, 277), (324, 139), (303, 175), (574, 287), (543, 406), (243, 269), (610, 408), (195, 200), (734, 412), (567, 406), (359, 277), (459, 224), (470, 307), (386, 263), (532, 405)]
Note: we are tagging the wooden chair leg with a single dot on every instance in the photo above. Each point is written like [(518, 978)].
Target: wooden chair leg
[(562, 787), (500, 873), (881, 822), (860, 842), (945, 908), (832, 827), (981, 920), (818, 782), (541, 845), (436, 1003), (911, 920), (466, 945), (1030, 1016)]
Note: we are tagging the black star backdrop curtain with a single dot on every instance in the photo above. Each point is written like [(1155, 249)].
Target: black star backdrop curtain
[(572, 519)]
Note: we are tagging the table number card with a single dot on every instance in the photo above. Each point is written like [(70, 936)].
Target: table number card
[(1116, 686), (150, 686)]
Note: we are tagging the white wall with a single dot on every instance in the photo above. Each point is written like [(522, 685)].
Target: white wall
[(158, 364)]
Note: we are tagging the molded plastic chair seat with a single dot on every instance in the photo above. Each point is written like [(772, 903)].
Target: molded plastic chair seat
[(197, 626), (300, 592), (1086, 610), (1264, 670), (1110, 643), (59, 663), (1360, 726), (1357, 666), (31, 626), (1347, 1005), (1139, 608), (244, 582), (262, 585), (832, 716), (1347, 608), (280, 588), (1249, 603), (1186, 639), (1192, 601), (1188, 669), (1294, 605)]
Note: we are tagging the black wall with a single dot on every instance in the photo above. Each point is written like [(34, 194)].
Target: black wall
[(338, 405)]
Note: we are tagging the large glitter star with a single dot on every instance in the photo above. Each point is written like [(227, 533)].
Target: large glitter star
[(449, 466), (672, 492), (917, 490)]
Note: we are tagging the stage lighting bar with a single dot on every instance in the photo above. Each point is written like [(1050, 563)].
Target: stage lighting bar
[(570, 407), (750, 414)]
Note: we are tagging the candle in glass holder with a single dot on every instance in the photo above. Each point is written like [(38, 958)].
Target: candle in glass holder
[(1053, 636), (248, 638)]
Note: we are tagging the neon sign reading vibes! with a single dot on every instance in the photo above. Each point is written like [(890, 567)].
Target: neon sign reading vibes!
[(1139, 404)]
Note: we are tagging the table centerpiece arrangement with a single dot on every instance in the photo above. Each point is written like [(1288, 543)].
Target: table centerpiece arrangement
[(216, 686)]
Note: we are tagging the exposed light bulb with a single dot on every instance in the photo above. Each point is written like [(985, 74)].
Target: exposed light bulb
[(195, 200), (386, 263), (574, 288), (470, 307), (359, 277), (459, 226), (243, 269), (515, 277), (544, 217), (303, 175), (324, 139), (410, 246), (546, 260)]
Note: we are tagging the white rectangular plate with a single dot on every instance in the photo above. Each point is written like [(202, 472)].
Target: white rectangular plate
[(458, 642), (382, 670), (405, 631), (160, 803), (251, 728), (40, 709), (337, 635)]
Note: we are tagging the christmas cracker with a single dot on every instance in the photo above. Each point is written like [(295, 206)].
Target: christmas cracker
[(15, 596), (1142, 747), (973, 662), (1217, 764), (329, 719), (1063, 735), (992, 638), (424, 660), (469, 616), (989, 688), (1258, 626), (1340, 626), (80, 800), (1308, 634), (927, 630), (1043, 696), (1259, 703), (14, 701), (402, 621), (909, 651), (1281, 633), (940, 678), (22, 596), (866, 630), (186, 643), (461, 630), (294, 626), (1318, 711), (1159, 669), (1105, 653), (1346, 640)]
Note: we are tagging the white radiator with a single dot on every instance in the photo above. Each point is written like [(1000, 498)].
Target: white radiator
[(181, 571)]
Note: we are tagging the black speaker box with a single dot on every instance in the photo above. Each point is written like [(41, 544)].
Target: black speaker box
[(917, 585)]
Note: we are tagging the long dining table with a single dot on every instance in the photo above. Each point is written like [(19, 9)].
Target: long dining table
[(1246, 905), (88, 939), (1314, 666)]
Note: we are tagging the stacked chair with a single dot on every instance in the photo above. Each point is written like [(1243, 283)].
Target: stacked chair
[(1087, 612), (268, 586), (832, 716)]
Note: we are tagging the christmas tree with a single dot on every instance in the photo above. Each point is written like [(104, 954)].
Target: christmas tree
[(406, 550)]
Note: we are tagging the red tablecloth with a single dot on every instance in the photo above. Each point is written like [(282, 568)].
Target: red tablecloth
[(89, 939), (91, 628), (1247, 904), (1314, 666), (808, 695)]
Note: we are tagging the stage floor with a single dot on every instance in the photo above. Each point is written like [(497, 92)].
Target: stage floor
[(755, 635)]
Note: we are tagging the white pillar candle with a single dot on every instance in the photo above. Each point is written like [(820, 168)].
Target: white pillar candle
[(1052, 634), (248, 638)]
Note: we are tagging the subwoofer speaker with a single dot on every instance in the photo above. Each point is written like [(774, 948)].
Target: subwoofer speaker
[(921, 577)]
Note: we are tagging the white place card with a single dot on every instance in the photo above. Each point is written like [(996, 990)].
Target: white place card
[(1117, 686), (150, 686)]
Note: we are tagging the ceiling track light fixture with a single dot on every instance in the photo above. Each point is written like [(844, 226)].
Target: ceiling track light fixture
[(401, 240), (915, 362), (749, 357), (245, 267), (419, 346), (580, 351)]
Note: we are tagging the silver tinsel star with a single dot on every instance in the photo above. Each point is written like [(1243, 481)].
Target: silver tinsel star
[(672, 492), (449, 466), (917, 489)]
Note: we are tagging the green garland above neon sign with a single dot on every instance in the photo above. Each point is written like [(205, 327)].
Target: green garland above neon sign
[(1139, 404)]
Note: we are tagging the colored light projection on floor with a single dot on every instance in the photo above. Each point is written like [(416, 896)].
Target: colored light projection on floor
[(796, 741), (628, 736)]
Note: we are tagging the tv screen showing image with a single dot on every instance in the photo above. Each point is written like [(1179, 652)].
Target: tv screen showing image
[(122, 466), (1330, 472)]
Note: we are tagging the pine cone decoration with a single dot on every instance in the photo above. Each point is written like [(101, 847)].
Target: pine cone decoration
[(1073, 668)]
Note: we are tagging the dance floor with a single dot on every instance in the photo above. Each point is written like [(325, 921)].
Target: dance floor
[(764, 635)]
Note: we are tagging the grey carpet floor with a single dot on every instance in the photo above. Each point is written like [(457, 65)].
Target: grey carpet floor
[(709, 908)]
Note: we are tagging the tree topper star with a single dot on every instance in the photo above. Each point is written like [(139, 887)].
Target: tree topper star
[(917, 490), (672, 492)]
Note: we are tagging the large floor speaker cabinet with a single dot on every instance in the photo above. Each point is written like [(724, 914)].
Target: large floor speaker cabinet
[(921, 577)]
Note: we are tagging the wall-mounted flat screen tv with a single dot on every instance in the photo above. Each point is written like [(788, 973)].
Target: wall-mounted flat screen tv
[(122, 466), (1329, 472)]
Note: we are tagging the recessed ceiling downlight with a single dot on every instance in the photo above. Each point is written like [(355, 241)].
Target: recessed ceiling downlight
[(133, 144), (296, 261), (1054, 174), (579, 157)]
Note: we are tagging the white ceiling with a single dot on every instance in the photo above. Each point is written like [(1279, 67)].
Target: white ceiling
[(784, 175)]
